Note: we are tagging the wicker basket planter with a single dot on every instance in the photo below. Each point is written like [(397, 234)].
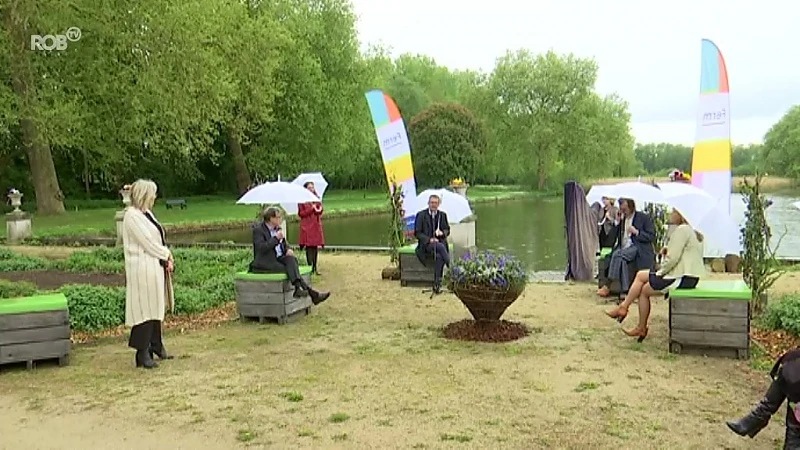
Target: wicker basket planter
[(486, 302)]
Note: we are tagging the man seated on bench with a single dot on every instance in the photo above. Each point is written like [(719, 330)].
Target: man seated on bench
[(635, 234), (272, 255), (431, 230)]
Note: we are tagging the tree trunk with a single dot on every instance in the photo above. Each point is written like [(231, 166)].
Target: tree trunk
[(542, 176), (49, 199), (243, 180)]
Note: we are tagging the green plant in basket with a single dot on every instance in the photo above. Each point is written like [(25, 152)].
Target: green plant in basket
[(487, 282)]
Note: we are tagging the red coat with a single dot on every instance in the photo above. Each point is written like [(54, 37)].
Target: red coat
[(310, 225)]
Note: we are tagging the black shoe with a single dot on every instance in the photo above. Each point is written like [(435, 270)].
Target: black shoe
[(299, 292), (318, 297), (437, 289), (161, 352), (747, 426), (144, 360)]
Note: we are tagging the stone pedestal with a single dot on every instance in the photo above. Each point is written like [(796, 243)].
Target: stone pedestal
[(18, 227), (125, 192), (460, 189), (118, 216), (462, 236)]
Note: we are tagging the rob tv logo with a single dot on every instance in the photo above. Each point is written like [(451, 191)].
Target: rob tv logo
[(55, 42)]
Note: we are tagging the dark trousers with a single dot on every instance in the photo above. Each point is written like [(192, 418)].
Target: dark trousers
[(292, 268), (441, 258), (287, 265), (312, 253), (146, 335), (769, 405), (618, 267)]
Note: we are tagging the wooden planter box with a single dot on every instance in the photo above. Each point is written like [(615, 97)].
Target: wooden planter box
[(265, 296), (712, 318), (34, 329), (412, 271)]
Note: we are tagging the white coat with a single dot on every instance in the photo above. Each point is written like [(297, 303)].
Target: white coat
[(147, 288)]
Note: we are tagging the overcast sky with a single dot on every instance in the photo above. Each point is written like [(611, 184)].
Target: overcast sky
[(648, 51)]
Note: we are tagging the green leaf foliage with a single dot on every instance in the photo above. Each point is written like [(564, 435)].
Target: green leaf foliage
[(447, 142)]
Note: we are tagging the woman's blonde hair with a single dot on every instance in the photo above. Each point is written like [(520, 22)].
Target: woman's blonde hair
[(684, 222), (143, 194)]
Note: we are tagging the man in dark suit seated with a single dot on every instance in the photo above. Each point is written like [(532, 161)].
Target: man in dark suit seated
[(272, 255), (635, 234), (431, 230)]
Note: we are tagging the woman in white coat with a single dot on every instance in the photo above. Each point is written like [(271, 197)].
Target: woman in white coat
[(148, 268)]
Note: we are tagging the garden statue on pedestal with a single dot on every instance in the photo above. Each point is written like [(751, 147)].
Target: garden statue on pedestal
[(459, 186), (125, 193), (487, 284), (18, 222), (397, 236)]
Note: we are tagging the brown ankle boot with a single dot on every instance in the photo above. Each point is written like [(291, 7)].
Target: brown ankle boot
[(619, 313)]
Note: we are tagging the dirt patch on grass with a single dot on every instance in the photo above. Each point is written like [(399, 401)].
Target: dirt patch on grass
[(485, 331), (54, 279), (370, 368)]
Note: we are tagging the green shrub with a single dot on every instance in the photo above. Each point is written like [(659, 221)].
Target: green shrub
[(11, 262), (94, 308), (783, 314), (98, 261), (448, 142), (9, 289)]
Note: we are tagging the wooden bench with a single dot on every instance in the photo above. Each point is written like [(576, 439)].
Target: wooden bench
[(173, 202), (265, 296), (412, 271), (34, 329), (712, 318)]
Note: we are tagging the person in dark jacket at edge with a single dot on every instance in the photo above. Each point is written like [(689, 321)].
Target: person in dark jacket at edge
[(785, 386)]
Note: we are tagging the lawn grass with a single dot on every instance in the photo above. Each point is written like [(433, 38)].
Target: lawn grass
[(369, 369), (209, 212)]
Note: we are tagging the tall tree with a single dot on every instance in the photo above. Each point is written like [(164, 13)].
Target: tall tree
[(24, 74)]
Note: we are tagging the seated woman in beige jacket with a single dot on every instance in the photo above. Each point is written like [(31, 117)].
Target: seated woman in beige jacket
[(681, 268)]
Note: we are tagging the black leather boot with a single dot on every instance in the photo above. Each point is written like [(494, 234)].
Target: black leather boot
[(751, 424), (160, 351), (300, 291), (144, 360), (318, 297)]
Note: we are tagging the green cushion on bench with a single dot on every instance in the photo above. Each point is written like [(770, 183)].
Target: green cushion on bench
[(411, 249), (247, 276), (715, 289), (36, 303)]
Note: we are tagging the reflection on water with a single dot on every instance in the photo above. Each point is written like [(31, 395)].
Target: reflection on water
[(531, 229)]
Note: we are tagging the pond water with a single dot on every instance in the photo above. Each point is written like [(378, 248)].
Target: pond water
[(532, 229)]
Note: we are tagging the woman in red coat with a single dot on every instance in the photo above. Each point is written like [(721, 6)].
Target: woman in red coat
[(311, 237)]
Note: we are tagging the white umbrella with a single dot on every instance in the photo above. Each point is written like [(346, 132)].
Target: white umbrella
[(455, 205), (693, 203), (636, 191), (278, 192), (597, 192), (700, 209), (320, 183)]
